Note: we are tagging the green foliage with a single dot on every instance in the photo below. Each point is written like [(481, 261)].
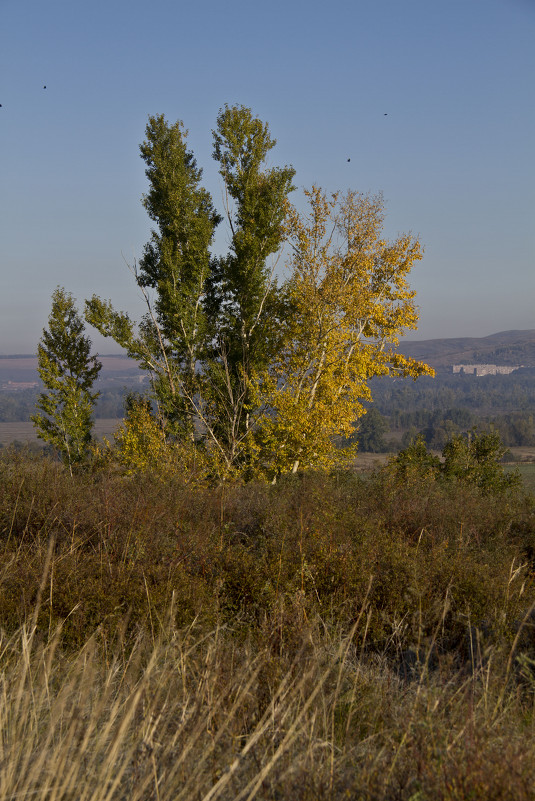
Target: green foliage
[(370, 433), (490, 394), (242, 289), (213, 320), (176, 262), (68, 373), (261, 378), (446, 405), (246, 307), (140, 442), (17, 406), (415, 462), (473, 459)]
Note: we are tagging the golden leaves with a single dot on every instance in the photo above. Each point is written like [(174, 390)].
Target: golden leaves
[(350, 299)]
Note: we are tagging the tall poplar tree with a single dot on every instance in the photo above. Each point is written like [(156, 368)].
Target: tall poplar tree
[(68, 372), (176, 260), (244, 286), (211, 322), (261, 377), (244, 303), (351, 302)]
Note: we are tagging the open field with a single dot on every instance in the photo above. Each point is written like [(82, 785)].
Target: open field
[(109, 363), (116, 370), (25, 432)]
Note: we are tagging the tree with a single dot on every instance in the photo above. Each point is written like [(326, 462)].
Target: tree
[(415, 463), (140, 442), (261, 377), (176, 262), (475, 459), (244, 302), (214, 321), (350, 303), (370, 434), (242, 288), (472, 459), (68, 372)]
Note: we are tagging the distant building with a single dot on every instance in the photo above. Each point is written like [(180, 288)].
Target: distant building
[(485, 369)]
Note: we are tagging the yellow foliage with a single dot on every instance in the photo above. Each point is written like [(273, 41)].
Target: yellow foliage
[(141, 446), (140, 442), (350, 302)]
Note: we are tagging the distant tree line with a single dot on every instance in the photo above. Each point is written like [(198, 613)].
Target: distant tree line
[(437, 428), (441, 408), (483, 394), (384, 427)]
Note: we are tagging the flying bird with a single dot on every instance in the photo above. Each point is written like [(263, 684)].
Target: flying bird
[(349, 159), (44, 87)]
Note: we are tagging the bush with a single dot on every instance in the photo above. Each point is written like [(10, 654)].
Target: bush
[(473, 459)]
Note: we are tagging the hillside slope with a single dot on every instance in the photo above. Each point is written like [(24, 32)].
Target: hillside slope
[(503, 348)]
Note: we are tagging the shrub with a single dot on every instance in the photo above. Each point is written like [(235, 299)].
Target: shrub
[(472, 459)]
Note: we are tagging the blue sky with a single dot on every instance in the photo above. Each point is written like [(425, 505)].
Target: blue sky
[(454, 157)]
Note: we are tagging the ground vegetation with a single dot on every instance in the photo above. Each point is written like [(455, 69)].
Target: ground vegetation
[(334, 635)]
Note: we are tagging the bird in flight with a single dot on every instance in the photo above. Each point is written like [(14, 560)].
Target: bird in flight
[(44, 87), (349, 159)]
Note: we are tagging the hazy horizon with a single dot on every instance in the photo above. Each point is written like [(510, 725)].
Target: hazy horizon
[(117, 352), (431, 102)]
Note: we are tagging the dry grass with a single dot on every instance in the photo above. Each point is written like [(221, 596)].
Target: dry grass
[(328, 638), (196, 715)]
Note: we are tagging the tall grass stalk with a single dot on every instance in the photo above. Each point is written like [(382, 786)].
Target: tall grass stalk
[(196, 716)]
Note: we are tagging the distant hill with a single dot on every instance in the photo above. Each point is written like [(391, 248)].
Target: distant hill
[(504, 348)]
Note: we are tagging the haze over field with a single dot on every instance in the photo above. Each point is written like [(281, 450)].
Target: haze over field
[(504, 348), (431, 102)]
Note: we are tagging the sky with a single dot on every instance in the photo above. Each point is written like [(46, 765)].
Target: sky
[(432, 100)]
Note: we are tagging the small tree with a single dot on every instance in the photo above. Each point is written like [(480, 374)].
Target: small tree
[(475, 459), (415, 463), (68, 373), (472, 459), (140, 441)]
